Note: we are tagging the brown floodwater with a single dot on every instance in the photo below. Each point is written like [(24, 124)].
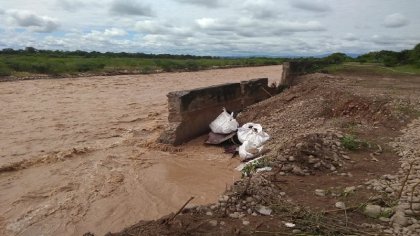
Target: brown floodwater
[(84, 158)]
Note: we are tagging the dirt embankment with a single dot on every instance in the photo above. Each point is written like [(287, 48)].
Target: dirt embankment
[(80, 155), (340, 155)]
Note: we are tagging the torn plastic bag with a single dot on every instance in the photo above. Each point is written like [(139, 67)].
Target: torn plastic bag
[(248, 150), (253, 133), (224, 123)]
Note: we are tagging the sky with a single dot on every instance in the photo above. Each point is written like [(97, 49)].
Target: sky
[(216, 28)]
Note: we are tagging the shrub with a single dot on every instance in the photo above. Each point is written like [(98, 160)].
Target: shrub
[(351, 143), (146, 70), (4, 70), (390, 61), (192, 65), (89, 66)]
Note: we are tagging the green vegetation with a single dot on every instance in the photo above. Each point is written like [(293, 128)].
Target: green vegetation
[(382, 63), (351, 143), (392, 59), (250, 168), (311, 64), (55, 63), (374, 69), (31, 61)]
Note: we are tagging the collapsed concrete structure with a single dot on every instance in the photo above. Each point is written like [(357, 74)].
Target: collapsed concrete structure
[(191, 111)]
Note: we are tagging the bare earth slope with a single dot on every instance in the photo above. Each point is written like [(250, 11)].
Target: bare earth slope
[(345, 154), (79, 154)]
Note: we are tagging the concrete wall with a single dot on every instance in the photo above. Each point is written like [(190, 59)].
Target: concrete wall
[(286, 77), (191, 111)]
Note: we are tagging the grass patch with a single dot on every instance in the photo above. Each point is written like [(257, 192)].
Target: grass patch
[(371, 69), (350, 142), (4, 70), (40, 63), (249, 169)]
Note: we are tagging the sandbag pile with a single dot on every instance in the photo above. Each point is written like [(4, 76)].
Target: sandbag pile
[(251, 135)]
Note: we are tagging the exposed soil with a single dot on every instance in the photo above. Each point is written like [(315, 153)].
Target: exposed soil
[(80, 155), (331, 135)]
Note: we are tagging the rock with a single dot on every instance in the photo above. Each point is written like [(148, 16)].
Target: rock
[(264, 169), (340, 205), (296, 231), (312, 159), (372, 210), (410, 212), (234, 215), (245, 222), (291, 158), (299, 145), (297, 171), (289, 225), (416, 206), (415, 226), (213, 223), (349, 189), (388, 231), (320, 192), (263, 210), (400, 218), (282, 194), (346, 157), (223, 198), (209, 213), (384, 219)]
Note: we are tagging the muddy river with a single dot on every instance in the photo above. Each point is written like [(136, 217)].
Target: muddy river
[(80, 155)]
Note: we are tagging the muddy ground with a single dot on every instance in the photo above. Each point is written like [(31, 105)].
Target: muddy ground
[(80, 155), (344, 158)]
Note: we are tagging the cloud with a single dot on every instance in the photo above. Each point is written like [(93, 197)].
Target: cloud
[(395, 20), (150, 27), (350, 37), (130, 7), (311, 5), (70, 5), (261, 9), (161, 28), (293, 26), (222, 27), (34, 22), (114, 32), (107, 36), (205, 3), (393, 40), (248, 27), (206, 23)]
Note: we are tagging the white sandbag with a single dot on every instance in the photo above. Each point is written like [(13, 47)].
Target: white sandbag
[(224, 123), (253, 133), (248, 150)]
